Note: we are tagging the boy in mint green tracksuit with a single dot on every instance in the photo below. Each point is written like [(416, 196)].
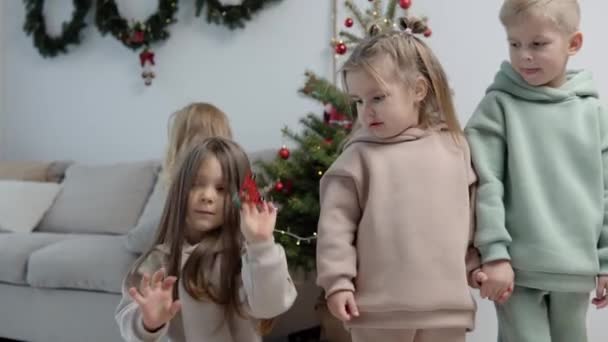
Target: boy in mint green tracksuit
[(539, 143)]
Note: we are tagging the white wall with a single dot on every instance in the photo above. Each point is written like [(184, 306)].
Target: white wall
[(2, 79), (91, 105)]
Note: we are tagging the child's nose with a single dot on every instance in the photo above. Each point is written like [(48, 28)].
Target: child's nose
[(367, 110), (207, 196), (526, 55)]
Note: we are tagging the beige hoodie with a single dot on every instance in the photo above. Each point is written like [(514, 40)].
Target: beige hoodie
[(395, 227), (267, 292)]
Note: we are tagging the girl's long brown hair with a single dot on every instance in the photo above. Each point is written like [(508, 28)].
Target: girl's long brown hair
[(225, 242)]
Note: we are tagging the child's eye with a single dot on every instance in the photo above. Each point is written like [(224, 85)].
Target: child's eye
[(514, 45), (379, 98), (358, 102), (220, 189), (539, 44)]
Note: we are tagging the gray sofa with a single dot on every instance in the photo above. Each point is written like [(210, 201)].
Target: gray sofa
[(62, 282)]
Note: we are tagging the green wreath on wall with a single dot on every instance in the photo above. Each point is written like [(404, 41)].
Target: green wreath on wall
[(70, 34), (233, 16), (136, 34)]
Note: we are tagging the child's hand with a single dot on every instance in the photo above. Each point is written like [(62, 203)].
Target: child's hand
[(257, 224), (601, 297), (477, 278), (500, 280), (342, 305), (504, 297), (155, 300)]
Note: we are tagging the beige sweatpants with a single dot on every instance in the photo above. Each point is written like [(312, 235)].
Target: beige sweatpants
[(394, 335)]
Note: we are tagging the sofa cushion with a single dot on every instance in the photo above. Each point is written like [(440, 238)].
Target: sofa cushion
[(34, 171), (101, 198), (15, 250), (22, 204), (93, 262), (141, 238)]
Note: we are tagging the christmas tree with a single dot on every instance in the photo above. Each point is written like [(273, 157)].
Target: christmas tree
[(292, 180)]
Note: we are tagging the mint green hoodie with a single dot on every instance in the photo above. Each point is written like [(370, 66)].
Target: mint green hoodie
[(541, 154)]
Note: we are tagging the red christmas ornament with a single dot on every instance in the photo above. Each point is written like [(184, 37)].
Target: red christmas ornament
[(428, 32), (405, 4), (348, 22), (328, 141), (284, 153), (249, 191), (287, 187), (278, 186), (341, 48)]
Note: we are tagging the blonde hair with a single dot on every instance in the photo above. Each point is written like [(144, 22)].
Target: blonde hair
[(566, 14), (189, 125), (411, 58)]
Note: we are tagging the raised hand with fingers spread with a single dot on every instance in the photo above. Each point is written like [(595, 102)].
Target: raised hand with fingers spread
[(155, 299), (257, 221)]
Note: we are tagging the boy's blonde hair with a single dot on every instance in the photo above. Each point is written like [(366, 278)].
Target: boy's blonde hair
[(565, 13), (189, 125), (411, 58)]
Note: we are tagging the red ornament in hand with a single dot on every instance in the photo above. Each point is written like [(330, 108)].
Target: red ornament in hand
[(428, 32), (284, 153), (341, 48), (249, 190), (348, 22), (405, 4), (279, 186)]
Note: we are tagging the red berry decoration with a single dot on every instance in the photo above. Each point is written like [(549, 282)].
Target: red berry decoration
[(428, 32), (341, 48), (279, 186), (405, 4), (284, 153), (349, 22)]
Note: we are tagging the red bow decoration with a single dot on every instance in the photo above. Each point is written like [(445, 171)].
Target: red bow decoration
[(138, 37), (146, 56)]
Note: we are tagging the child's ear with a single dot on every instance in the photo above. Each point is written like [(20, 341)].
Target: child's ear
[(575, 44), (421, 88)]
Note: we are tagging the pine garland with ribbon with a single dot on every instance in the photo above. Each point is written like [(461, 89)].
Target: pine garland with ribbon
[(233, 16), (137, 34), (70, 35)]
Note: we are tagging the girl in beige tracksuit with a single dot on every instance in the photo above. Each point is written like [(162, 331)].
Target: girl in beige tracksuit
[(395, 226), (215, 273)]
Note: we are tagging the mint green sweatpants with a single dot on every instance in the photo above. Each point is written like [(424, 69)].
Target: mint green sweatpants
[(532, 315)]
